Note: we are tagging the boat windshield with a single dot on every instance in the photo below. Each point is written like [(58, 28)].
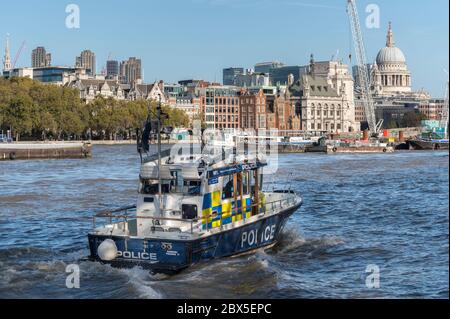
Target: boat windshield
[(176, 186)]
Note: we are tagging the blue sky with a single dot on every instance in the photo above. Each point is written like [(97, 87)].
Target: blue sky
[(180, 39)]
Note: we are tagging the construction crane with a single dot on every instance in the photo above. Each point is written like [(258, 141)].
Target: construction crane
[(364, 77), (18, 54)]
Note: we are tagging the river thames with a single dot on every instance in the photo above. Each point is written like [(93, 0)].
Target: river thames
[(383, 210)]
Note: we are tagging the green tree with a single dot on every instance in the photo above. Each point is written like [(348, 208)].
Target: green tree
[(412, 119), (19, 115), (38, 111)]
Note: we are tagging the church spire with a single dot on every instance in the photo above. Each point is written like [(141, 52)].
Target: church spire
[(390, 37), (7, 58)]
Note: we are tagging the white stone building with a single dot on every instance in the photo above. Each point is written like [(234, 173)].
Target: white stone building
[(153, 91), (190, 104), (391, 81), (326, 98), (21, 73), (390, 72), (91, 87)]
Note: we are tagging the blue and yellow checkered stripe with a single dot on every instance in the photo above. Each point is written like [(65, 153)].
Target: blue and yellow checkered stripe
[(215, 208)]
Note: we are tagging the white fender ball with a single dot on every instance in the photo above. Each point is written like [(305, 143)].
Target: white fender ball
[(107, 250)]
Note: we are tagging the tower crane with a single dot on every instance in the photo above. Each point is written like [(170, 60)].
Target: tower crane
[(364, 77), (18, 54)]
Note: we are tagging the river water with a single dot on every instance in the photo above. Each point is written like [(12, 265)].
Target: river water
[(360, 212)]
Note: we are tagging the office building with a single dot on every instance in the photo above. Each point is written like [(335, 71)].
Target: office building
[(433, 109), (230, 74), (21, 73), (40, 58), (220, 106), (86, 61), (188, 103), (251, 80), (53, 74), (112, 69), (130, 71), (280, 75), (266, 67)]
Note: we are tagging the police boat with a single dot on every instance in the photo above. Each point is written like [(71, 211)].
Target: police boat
[(192, 209)]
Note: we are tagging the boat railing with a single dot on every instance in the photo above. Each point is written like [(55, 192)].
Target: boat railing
[(263, 208), (110, 214)]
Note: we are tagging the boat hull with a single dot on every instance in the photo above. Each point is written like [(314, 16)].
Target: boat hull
[(428, 145), (172, 256)]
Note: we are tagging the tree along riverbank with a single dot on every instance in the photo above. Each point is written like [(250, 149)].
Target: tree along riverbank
[(33, 111)]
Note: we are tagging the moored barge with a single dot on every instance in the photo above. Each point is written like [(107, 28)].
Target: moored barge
[(56, 150)]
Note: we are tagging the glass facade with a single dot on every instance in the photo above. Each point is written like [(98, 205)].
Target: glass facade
[(112, 68), (280, 75), (51, 74), (230, 74), (267, 67), (173, 89)]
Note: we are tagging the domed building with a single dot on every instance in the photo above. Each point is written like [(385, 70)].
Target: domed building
[(390, 72)]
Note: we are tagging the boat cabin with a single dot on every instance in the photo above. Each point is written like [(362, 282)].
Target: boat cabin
[(196, 195)]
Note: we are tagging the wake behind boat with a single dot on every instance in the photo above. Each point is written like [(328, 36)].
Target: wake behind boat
[(193, 208)]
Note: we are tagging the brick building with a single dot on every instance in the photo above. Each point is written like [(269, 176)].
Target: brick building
[(264, 111), (247, 105), (432, 109), (220, 106)]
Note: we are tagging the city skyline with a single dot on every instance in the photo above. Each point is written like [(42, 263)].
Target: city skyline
[(206, 44)]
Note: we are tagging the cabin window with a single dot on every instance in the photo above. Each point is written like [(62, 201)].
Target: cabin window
[(151, 187), (228, 187), (192, 187), (177, 183), (189, 211), (252, 183), (245, 182)]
